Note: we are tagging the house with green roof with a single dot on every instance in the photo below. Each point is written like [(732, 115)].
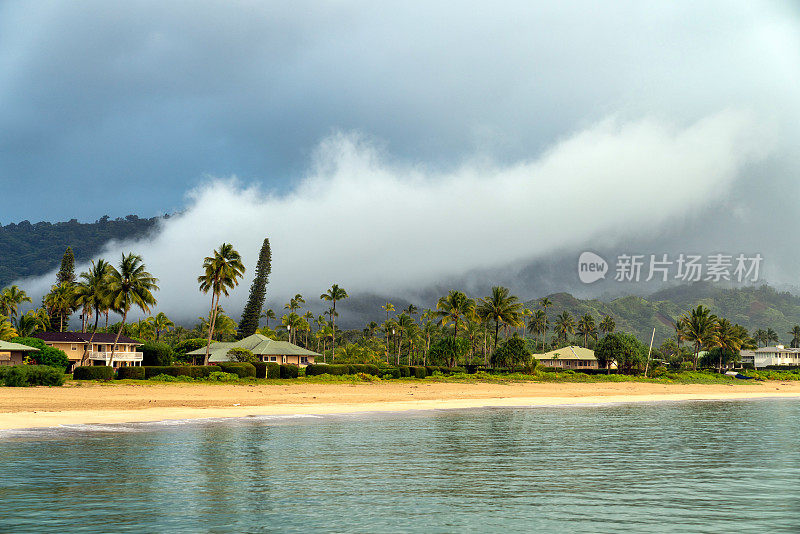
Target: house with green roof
[(262, 347), (571, 357), (14, 353)]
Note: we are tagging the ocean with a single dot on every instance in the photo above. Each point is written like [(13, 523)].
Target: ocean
[(662, 467)]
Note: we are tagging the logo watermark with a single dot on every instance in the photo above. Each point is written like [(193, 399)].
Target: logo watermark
[(663, 267)]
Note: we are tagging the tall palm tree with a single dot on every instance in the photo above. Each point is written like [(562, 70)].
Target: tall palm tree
[(538, 325), (10, 300), (222, 272), (545, 303), (700, 328), (161, 323), (60, 301), (412, 310), (294, 303), (130, 285), (564, 325), (454, 306), (795, 333), (405, 325), (333, 294), (772, 335), (729, 338), (760, 336), (500, 307), (7, 330), (587, 329), (268, 314), (91, 292), (607, 324), (388, 307)]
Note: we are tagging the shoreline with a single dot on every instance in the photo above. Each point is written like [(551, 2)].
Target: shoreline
[(341, 399)]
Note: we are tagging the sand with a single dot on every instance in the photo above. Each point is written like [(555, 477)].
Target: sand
[(91, 403)]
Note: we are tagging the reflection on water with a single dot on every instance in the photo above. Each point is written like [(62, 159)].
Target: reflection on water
[(679, 467)]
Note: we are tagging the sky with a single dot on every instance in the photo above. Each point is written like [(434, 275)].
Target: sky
[(392, 146)]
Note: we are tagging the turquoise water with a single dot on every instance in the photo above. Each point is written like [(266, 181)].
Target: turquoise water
[(676, 467)]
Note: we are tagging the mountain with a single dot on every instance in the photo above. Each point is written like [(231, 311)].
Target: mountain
[(34, 249), (751, 307)]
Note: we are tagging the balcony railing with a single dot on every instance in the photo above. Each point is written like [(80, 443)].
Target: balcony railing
[(118, 356)]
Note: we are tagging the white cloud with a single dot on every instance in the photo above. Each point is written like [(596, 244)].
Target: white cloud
[(372, 225)]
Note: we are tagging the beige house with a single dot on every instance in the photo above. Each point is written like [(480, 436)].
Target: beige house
[(14, 353), (84, 349), (777, 355), (571, 357), (262, 347)]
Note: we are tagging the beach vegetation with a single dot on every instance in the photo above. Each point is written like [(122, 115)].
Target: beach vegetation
[(221, 273), (93, 372), (159, 354), (47, 355), (31, 375), (248, 324)]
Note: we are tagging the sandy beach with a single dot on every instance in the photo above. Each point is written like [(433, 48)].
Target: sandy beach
[(120, 403)]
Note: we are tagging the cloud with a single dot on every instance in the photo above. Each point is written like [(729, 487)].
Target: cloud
[(372, 224)]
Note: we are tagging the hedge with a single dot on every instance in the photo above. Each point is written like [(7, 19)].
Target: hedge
[(417, 371), (194, 371), (390, 372), (405, 371), (322, 369), (289, 371), (261, 369), (132, 373), (273, 370), (93, 372), (47, 355), (31, 375), (240, 369), (156, 354)]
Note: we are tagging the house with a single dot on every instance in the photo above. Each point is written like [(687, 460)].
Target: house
[(262, 347), (13, 353), (777, 355), (571, 357), (81, 351)]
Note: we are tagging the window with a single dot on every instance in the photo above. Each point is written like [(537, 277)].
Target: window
[(304, 359), (74, 347), (273, 358)]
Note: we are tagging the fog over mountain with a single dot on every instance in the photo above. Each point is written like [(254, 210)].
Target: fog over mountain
[(401, 149)]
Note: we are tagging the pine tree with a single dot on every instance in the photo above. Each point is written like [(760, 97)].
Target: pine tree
[(258, 292), (67, 271)]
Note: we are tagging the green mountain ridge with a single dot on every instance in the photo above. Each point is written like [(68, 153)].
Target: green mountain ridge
[(752, 307)]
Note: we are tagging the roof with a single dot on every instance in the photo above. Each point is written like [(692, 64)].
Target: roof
[(780, 348), (83, 337), (258, 344), (572, 352), (6, 346)]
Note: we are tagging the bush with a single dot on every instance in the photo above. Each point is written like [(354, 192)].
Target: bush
[(405, 371), (448, 352), (219, 376), (390, 372), (240, 369), (170, 378), (193, 371), (512, 353), (273, 370), (238, 354), (156, 354), (131, 373), (31, 375), (323, 369), (289, 371), (261, 369), (47, 355), (93, 372), (417, 371)]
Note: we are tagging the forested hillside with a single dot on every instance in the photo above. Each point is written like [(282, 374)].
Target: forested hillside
[(751, 307), (28, 249)]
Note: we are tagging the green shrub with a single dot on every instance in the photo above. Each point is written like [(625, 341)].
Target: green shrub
[(417, 371), (261, 369), (289, 371), (220, 376), (390, 372), (238, 354), (47, 355), (131, 373), (187, 345), (93, 372), (240, 369), (32, 375), (367, 369), (156, 354), (405, 371), (165, 378), (193, 371), (322, 369), (273, 370)]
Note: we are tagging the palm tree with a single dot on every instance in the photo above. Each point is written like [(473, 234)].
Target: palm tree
[(295, 303), (388, 307), (221, 273), (700, 328), (538, 325), (130, 285), (526, 312), (772, 335), (729, 338), (795, 333), (91, 293), (405, 325), (10, 300), (545, 303), (292, 324), (60, 301), (161, 323), (454, 306), (587, 329), (607, 324), (500, 307), (7, 330), (269, 313), (760, 336), (33, 321), (333, 294), (564, 325), (412, 310)]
